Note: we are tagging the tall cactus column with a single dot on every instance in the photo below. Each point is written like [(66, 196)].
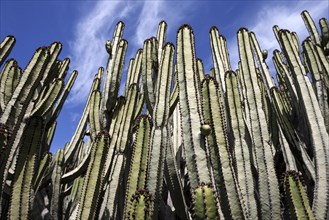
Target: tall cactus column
[(203, 203), (316, 126), (267, 181)]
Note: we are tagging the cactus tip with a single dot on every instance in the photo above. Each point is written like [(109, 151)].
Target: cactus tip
[(242, 29), (169, 44), (163, 22), (185, 26), (121, 23), (223, 37), (213, 28), (229, 73)]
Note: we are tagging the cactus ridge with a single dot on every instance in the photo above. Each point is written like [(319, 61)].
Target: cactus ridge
[(117, 73), (204, 202), (5, 47), (43, 166), (241, 148), (139, 160), (295, 193), (45, 103), (93, 181), (141, 203), (147, 70), (309, 23), (25, 168), (10, 77), (218, 58), (56, 184), (115, 61), (94, 115), (28, 83)]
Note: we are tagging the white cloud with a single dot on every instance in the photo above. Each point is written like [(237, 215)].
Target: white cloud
[(153, 12), (141, 22), (285, 16), (148, 21), (87, 49)]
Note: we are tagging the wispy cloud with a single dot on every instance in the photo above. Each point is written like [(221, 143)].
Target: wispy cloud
[(155, 11), (87, 49), (286, 16), (148, 21), (141, 20)]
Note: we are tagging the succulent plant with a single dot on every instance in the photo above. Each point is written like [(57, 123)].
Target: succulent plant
[(179, 143)]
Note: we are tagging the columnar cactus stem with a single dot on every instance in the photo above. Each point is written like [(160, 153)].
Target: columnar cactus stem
[(139, 161), (200, 69), (115, 131), (174, 183), (59, 104), (312, 30), (205, 203), (46, 102), (226, 183), (51, 73), (94, 115), (196, 162), (147, 74), (318, 78), (219, 57), (112, 207), (129, 111), (5, 47), (324, 25), (161, 38), (267, 181), (9, 79), (315, 122), (80, 130), (25, 89), (112, 48), (288, 156), (115, 78), (129, 76), (20, 205), (94, 178), (159, 135), (55, 207), (136, 69), (260, 57), (241, 148), (296, 197), (295, 40), (290, 134), (193, 149)]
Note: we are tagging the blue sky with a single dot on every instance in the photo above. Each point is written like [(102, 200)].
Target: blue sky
[(84, 26)]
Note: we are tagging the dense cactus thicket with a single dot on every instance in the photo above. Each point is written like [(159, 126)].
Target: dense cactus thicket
[(179, 143)]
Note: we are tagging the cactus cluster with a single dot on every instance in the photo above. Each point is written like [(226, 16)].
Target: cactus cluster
[(179, 143)]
